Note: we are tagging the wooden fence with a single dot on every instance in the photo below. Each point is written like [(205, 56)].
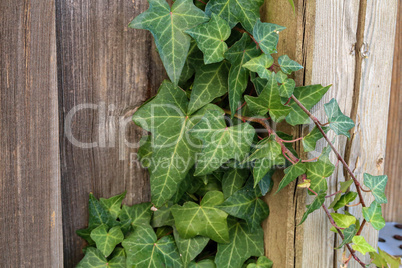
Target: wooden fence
[(73, 64)]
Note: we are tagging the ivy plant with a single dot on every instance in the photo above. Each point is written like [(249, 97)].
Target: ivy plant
[(211, 149)]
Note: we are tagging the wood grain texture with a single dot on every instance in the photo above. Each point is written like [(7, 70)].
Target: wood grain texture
[(393, 167), (331, 52), (333, 63), (104, 64), (296, 41), (371, 103), (30, 211)]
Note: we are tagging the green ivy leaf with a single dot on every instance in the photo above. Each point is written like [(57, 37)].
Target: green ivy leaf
[(189, 248), (288, 66), (113, 204), (268, 100), (317, 172), (135, 215), (262, 262), (281, 77), (144, 250), (267, 36), (260, 64), (241, 52), (211, 81), (338, 122), (308, 96), (202, 264), (244, 243), (235, 11), (291, 173), (246, 204), (373, 215), (167, 25), (344, 200), (193, 61), (211, 37), (266, 148), (163, 216), (264, 165), (167, 118), (107, 239), (287, 88), (345, 185), (94, 258), (145, 151), (377, 186), (383, 259), (204, 219), (310, 141), (342, 220), (98, 215), (361, 245), (317, 203), (266, 183), (220, 143), (348, 234), (233, 180)]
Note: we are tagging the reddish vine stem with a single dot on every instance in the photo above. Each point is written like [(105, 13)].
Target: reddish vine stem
[(249, 34), (294, 159), (340, 158)]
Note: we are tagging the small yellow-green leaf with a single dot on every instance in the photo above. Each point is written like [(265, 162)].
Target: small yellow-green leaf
[(344, 200), (361, 245)]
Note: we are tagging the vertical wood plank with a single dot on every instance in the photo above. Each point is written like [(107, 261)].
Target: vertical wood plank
[(113, 69), (333, 63), (30, 211), (393, 167), (296, 41), (371, 100)]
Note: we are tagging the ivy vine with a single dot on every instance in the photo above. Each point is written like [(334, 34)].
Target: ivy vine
[(211, 149)]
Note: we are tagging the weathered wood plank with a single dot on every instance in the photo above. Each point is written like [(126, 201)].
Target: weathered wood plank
[(297, 42), (333, 57), (30, 212), (393, 167), (371, 99), (105, 64), (333, 63)]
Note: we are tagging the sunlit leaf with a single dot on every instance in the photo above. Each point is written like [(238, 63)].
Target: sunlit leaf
[(107, 239), (310, 141), (260, 64), (189, 248), (360, 244), (94, 258), (262, 262)]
